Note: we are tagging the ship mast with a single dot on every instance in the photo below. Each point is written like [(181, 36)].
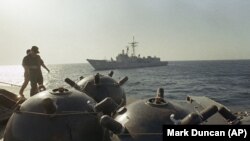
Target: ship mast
[(133, 45), (127, 50)]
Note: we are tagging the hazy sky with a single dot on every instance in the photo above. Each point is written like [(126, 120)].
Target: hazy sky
[(70, 31)]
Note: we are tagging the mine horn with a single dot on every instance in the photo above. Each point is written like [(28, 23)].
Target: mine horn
[(111, 73), (72, 83), (122, 81)]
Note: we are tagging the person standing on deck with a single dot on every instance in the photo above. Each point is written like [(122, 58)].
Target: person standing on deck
[(32, 63), (26, 76)]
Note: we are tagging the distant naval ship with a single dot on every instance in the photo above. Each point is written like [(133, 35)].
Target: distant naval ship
[(126, 61)]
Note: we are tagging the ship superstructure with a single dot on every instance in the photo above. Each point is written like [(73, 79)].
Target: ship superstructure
[(126, 61)]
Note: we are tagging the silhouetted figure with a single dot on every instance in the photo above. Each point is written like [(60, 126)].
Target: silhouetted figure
[(32, 64), (26, 76)]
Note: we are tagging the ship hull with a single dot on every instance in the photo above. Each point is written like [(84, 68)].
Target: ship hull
[(108, 65)]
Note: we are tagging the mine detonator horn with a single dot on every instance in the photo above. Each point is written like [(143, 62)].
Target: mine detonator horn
[(97, 79), (111, 73), (72, 83), (227, 114), (160, 92), (123, 80), (197, 118), (107, 106), (112, 125)]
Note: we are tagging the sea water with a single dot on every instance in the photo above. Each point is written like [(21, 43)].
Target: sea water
[(227, 82)]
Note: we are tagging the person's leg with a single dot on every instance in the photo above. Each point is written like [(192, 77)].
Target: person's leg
[(25, 83), (33, 84), (41, 87)]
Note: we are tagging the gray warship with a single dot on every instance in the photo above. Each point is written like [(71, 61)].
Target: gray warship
[(126, 61)]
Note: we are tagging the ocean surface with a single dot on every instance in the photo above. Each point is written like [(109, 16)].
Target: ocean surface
[(227, 82)]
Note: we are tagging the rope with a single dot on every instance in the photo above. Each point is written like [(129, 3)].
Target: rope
[(10, 84), (84, 113), (58, 114)]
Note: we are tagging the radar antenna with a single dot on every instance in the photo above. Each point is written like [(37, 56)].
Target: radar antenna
[(133, 45)]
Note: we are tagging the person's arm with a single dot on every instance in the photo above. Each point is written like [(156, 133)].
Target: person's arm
[(25, 66), (44, 66), (26, 70)]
